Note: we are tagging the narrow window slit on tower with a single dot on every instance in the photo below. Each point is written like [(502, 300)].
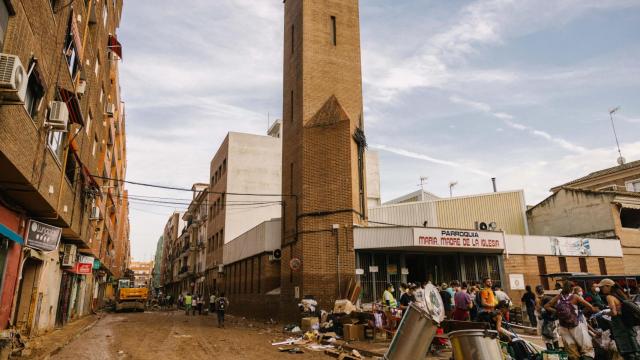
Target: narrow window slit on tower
[(291, 106), (293, 38), (334, 31)]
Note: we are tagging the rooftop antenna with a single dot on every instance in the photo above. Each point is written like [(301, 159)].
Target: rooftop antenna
[(423, 180), (451, 186), (621, 159)]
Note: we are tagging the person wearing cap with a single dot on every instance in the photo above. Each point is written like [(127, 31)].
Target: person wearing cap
[(625, 336), (446, 299)]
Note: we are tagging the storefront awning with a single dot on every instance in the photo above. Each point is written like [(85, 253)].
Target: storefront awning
[(73, 104), (114, 45), (10, 234)]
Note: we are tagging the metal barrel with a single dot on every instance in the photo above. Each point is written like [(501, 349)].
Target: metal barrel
[(475, 345), (414, 336)]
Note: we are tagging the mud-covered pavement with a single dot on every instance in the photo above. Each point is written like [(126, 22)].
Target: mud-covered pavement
[(172, 335)]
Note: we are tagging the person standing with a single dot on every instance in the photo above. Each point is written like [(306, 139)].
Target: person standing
[(212, 303), (200, 304), (487, 297), (387, 297), (463, 304), (407, 298), (473, 293), (446, 299), (622, 329), (419, 294), (221, 306), (187, 303), (593, 296), (529, 301), (548, 322), (574, 333)]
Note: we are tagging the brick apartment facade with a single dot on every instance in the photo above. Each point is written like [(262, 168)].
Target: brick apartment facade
[(64, 175)]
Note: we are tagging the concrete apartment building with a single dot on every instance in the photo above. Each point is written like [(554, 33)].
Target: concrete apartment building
[(173, 253), (142, 273), (196, 231), (243, 164), (604, 204), (62, 138)]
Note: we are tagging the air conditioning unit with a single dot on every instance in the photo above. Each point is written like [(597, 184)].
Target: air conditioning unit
[(111, 109), (484, 226), (69, 254), (276, 256), (220, 268), (82, 87), (95, 213), (58, 116), (13, 77)]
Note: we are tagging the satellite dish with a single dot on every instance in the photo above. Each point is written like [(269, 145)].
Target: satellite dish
[(483, 226), (621, 160)]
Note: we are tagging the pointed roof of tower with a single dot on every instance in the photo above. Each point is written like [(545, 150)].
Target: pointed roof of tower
[(330, 113)]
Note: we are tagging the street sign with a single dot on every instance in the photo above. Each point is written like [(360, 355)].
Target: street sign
[(42, 236)]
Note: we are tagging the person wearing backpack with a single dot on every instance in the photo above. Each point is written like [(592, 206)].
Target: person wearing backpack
[(623, 319), (221, 306), (573, 330)]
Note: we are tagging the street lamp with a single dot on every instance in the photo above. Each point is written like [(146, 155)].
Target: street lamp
[(621, 159), (451, 186)]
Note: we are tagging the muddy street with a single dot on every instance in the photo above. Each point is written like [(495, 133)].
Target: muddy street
[(172, 335)]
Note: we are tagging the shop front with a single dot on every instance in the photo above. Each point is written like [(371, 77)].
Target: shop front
[(397, 255)]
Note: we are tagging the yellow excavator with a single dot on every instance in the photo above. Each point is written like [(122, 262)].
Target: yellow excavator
[(129, 297)]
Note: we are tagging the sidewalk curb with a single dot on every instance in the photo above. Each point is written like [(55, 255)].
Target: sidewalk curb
[(72, 338)]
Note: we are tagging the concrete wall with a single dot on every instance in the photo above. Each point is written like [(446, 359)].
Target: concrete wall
[(572, 213), (373, 179), (528, 266), (265, 237), (254, 166)]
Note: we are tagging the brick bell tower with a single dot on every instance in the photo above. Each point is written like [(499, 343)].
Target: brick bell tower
[(323, 168)]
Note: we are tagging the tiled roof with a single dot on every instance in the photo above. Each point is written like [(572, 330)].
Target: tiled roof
[(596, 174)]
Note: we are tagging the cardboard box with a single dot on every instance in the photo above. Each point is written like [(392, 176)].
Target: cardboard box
[(353, 332), (343, 307), (308, 323)]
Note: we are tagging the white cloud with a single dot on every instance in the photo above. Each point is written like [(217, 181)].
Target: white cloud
[(418, 156)]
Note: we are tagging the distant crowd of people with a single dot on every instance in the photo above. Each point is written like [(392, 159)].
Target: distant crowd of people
[(601, 323), (192, 303)]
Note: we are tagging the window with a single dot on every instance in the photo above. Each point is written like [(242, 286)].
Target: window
[(542, 270), (71, 167), (105, 12), (54, 141), (96, 67), (603, 266), (33, 95), (95, 145), (633, 186), (88, 123), (630, 218), (563, 264), (71, 53), (583, 265), (4, 20), (334, 31)]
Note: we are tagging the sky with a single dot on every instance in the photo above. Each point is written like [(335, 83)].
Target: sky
[(456, 91)]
